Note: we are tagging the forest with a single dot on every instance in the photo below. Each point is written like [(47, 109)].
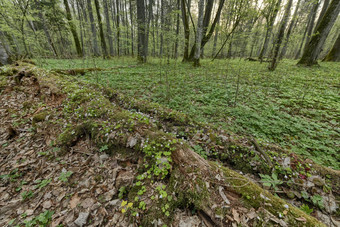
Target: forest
[(169, 113)]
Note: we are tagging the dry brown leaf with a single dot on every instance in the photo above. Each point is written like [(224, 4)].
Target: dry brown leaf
[(236, 215), (74, 201), (302, 219)]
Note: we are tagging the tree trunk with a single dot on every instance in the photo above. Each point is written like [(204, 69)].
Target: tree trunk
[(270, 22), (141, 31), (108, 27), (215, 40), (199, 32), (311, 22), (118, 27), (47, 33), (177, 31), (280, 36), (315, 45), (186, 31), (101, 31), (132, 36), (290, 29), (93, 29), (323, 11), (73, 29), (334, 53)]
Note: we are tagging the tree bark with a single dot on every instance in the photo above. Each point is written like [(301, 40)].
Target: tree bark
[(280, 36), (323, 11), (334, 53), (290, 29), (73, 29), (310, 25), (199, 32), (270, 22), (186, 31), (316, 43), (141, 31), (101, 31), (131, 26), (108, 27)]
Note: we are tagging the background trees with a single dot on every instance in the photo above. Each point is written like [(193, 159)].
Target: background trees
[(241, 28)]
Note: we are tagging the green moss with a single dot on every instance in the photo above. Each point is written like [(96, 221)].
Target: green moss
[(39, 117)]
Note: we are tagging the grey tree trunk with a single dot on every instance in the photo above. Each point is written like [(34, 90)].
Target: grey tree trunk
[(334, 53), (177, 31), (47, 33), (131, 26), (314, 47), (186, 31), (280, 36), (141, 31), (93, 29), (270, 25), (199, 33), (290, 29), (323, 11), (311, 22), (101, 30), (3, 55), (73, 29), (108, 27)]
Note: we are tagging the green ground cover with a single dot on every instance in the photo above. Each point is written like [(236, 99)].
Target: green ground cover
[(297, 108)]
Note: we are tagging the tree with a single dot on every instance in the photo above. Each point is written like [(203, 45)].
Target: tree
[(199, 33), (270, 15), (280, 36), (334, 53), (108, 26), (101, 31), (73, 29), (141, 31), (93, 29), (316, 43)]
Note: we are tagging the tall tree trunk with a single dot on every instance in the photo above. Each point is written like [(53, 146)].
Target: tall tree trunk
[(118, 27), (290, 29), (93, 29), (47, 33), (280, 36), (186, 31), (323, 11), (81, 28), (316, 43), (215, 40), (108, 26), (73, 29), (141, 31), (206, 21), (177, 31), (334, 53), (270, 25), (311, 22), (199, 32), (162, 29), (131, 26), (101, 31)]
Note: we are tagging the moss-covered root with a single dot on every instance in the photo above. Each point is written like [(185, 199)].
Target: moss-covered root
[(194, 167)]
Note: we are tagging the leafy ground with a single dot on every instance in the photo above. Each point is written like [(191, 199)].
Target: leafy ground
[(75, 153), (294, 107)]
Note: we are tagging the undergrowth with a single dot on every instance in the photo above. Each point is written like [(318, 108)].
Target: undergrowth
[(294, 107)]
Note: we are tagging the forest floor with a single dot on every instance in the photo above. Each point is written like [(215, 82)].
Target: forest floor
[(77, 152), (294, 107)]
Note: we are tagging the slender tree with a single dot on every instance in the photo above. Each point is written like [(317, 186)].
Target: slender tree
[(280, 36), (141, 31), (101, 30), (199, 32), (108, 26), (73, 29)]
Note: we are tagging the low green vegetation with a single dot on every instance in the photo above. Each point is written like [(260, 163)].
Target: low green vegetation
[(294, 107)]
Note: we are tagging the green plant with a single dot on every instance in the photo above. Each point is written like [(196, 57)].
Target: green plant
[(199, 150), (26, 195), (122, 191), (43, 219), (42, 183), (64, 176), (305, 208), (103, 148), (317, 200), (270, 181)]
